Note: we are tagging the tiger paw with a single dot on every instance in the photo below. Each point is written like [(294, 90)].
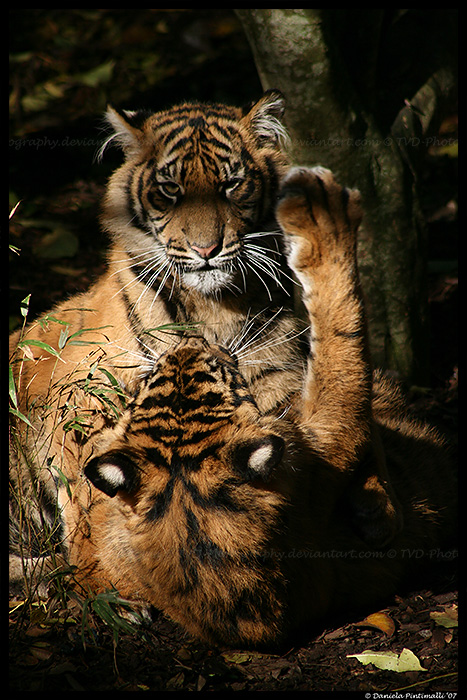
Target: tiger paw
[(318, 217)]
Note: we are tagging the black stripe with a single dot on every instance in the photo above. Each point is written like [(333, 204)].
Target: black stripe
[(132, 315), (220, 499), (174, 307), (155, 457), (202, 547), (161, 502), (173, 132)]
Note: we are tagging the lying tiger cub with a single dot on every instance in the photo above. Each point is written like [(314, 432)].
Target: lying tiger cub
[(231, 522)]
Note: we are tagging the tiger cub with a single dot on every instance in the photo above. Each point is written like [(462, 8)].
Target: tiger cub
[(232, 521), (190, 214)]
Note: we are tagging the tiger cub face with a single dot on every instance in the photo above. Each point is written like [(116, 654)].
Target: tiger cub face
[(197, 183)]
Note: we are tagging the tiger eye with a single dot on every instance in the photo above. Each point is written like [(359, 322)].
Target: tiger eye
[(169, 189), (228, 186)]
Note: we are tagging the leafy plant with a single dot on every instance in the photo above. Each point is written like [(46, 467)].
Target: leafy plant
[(75, 403)]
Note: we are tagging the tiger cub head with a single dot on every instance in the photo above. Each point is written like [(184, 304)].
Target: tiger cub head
[(192, 510), (197, 180)]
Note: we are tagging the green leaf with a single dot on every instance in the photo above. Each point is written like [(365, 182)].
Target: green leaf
[(22, 417), (87, 330), (114, 382), (13, 212), (103, 607), (46, 319), (59, 243), (12, 388), (42, 95), (174, 328), (78, 423), (237, 657), (64, 480), (63, 337), (389, 660)]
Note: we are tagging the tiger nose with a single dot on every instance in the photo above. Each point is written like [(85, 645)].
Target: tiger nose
[(208, 252)]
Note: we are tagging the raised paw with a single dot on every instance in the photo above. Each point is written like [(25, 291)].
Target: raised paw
[(313, 207)]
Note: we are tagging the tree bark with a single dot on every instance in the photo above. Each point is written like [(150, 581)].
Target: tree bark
[(333, 120)]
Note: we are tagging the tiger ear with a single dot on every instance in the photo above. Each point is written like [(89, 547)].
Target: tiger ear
[(256, 458), (113, 472), (126, 131), (265, 116)]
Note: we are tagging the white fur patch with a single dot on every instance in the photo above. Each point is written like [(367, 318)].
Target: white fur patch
[(260, 457), (207, 281), (271, 128), (112, 474), (122, 136)]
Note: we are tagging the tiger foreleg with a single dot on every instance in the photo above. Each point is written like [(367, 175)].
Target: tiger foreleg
[(320, 221)]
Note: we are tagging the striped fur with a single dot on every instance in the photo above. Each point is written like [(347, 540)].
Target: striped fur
[(233, 522)]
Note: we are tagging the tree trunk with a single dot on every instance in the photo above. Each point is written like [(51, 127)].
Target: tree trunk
[(333, 120)]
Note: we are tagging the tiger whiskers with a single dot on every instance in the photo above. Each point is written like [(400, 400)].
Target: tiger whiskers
[(148, 258), (243, 271), (267, 345), (260, 259), (231, 286), (245, 346), (169, 264), (146, 358), (156, 263), (176, 271), (235, 345)]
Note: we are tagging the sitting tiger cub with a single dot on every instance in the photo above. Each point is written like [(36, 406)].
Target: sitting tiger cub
[(231, 521), (190, 215)]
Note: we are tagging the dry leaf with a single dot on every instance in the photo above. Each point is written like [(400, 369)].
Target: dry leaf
[(380, 621), (335, 634), (42, 652), (26, 350), (389, 660), (237, 657), (446, 618), (177, 682), (37, 631)]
